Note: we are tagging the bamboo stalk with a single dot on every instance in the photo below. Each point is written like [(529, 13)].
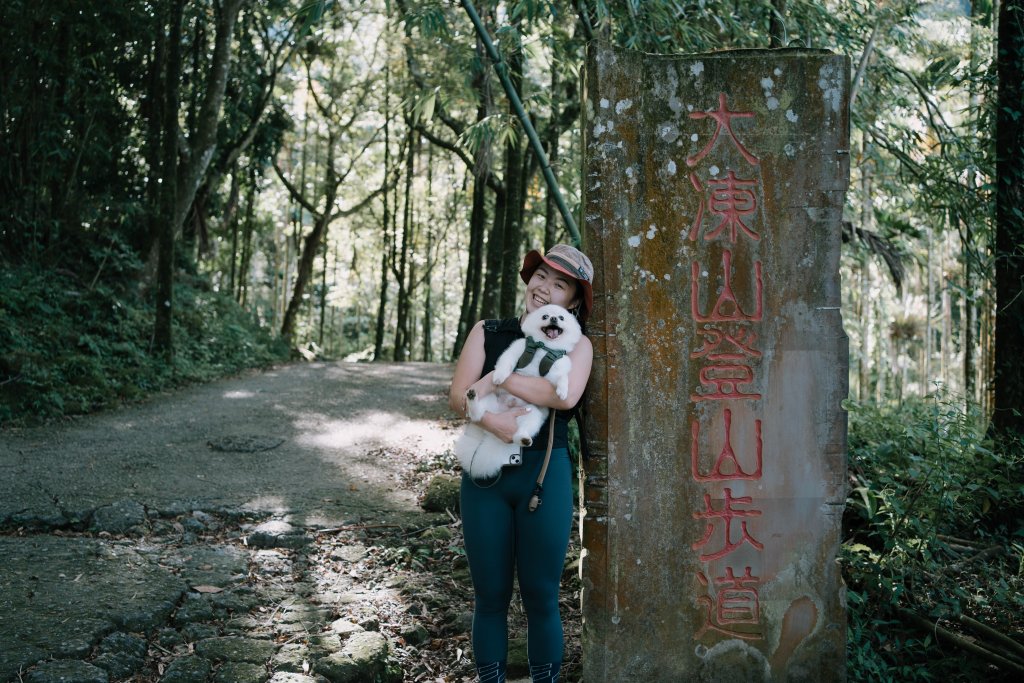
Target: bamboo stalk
[(986, 553), (502, 70), (961, 541), (962, 643), (1014, 648)]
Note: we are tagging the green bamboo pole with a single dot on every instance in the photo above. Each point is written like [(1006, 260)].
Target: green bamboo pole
[(502, 69)]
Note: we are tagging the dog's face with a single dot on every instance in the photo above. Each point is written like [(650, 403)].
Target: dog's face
[(554, 326)]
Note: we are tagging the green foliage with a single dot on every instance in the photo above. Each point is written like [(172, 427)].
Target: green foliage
[(929, 492), (67, 348)]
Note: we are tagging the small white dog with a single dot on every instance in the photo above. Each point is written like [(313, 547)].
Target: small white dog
[(551, 332)]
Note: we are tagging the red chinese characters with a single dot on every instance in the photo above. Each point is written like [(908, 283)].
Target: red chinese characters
[(723, 119), (727, 514), (722, 345), (727, 307), (736, 604), (727, 466), (726, 310), (733, 200)]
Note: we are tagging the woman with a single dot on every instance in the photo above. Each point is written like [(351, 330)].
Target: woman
[(502, 536)]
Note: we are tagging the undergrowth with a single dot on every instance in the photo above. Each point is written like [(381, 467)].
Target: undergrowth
[(934, 546), (69, 347)]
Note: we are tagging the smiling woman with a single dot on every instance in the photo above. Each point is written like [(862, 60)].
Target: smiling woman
[(504, 537)]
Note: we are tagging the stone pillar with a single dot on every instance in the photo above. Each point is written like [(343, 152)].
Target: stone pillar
[(713, 194)]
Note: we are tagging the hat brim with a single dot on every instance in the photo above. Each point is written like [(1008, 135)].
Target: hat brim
[(535, 258)]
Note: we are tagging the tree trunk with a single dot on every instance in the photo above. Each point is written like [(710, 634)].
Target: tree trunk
[(428, 313), (310, 248), (191, 225), (163, 335), (926, 374), (378, 340), (471, 305), (203, 140), (428, 220), (474, 268), (323, 296), (970, 384), (866, 302), (153, 106), (303, 272), (968, 249), (230, 151), (1008, 416), (181, 180), (234, 227), (491, 291), (243, 267), (402, 340), (514, 196), (551, 215)]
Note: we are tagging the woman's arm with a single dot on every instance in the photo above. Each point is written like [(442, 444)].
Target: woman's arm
[(539, 391), (467, 370)]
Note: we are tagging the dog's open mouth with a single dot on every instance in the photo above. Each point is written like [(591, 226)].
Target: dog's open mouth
[(552, 331)]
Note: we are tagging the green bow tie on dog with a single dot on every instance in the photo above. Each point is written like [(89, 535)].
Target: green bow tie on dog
[(532, 347)]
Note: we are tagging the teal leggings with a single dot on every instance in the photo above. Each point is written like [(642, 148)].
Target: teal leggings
[(503, 537)]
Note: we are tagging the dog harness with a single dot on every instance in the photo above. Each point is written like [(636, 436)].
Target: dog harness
[(532, 347)]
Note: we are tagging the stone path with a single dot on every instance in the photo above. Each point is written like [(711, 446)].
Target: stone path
[(232, 533)]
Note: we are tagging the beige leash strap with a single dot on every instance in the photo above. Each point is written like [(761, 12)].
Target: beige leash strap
[(535, 500)]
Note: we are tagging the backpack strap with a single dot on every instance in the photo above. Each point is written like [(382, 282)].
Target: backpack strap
[(503, 325)]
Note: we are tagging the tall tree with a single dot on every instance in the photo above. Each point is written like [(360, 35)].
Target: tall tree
[(382, 300), (188, 157), (339, 91), (402, 266), (165, 226), (252, 120), (515, 185), (325, 211), (1009, 241)]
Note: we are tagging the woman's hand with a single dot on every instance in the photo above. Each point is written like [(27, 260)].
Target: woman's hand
[(503, 425)]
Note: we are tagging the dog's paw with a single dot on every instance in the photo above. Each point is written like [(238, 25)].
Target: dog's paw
[(471, 394), (498, 376), (562, 389), (525, 441)]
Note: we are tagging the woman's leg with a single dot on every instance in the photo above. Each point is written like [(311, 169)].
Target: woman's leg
[(488, 529), (541, 543)]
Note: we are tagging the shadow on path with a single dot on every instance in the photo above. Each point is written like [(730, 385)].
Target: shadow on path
[(176, 540)]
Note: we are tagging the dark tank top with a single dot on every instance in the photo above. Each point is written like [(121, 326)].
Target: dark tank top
[(498, 334)]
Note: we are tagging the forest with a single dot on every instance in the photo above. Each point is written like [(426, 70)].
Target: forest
[(191, 188)]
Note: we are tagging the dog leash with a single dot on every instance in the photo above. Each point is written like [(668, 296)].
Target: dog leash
[(535, 500)]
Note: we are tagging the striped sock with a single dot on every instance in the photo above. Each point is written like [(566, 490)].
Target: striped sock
[(545, 673), (491, 673)]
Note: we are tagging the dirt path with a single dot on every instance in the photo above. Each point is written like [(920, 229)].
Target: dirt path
[(259, 528), (294, 442)]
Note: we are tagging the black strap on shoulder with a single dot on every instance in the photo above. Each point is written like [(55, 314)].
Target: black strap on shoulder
[(503, 325)]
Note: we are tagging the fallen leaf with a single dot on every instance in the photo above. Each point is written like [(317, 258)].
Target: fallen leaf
[(207, 589)]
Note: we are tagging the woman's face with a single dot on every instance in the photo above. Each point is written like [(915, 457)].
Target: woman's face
[(548, 286)]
